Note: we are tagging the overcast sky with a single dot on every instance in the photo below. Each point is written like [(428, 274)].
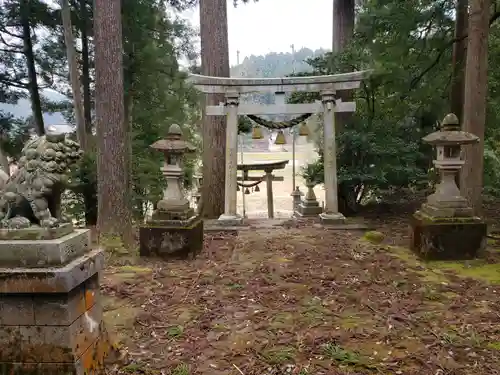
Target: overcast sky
[(273, 25)]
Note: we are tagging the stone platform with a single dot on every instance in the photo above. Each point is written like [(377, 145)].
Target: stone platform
[(51, 316), (175, 240), (447, 239)]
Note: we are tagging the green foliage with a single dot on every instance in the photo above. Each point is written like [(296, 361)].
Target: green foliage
[(155, 92), (314, 172), (492, 137), (13, 134), (244, 125), (380, 146)]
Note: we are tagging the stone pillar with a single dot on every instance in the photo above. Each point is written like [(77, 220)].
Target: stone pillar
[(50, 308), (296, 195), (230, 215), (270, 199), (331, 214)]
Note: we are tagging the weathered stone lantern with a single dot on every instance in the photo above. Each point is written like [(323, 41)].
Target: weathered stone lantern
[(174, 229), (445, 227)]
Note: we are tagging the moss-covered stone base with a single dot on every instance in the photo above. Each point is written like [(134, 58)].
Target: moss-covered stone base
[(36, 233), (447, 239), (171, 241)]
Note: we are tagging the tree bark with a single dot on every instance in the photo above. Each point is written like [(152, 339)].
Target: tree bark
[(474, 112), (459, 59), (343, 24), (36, 104), (114, 213), (74, 75), (343, 29), (90, 190), (458, 63), (87, 102), (214, 62)]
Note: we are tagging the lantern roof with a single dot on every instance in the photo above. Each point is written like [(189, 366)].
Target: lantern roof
[(173, 142), (450, 134)]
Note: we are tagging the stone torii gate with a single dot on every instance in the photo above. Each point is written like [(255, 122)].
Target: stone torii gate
[(328, 86)]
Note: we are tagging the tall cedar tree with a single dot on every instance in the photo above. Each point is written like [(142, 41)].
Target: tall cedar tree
[(459, 58), (458, 63), (343, 29), (36, 106), (114, 213), (476, 89), (214, 62)]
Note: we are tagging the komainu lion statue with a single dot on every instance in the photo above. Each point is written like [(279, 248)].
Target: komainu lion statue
[(32, 194)]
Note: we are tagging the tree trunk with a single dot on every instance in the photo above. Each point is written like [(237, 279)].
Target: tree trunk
[(459, 58), (474, 112), (214, 62), (87, 102), (74, 75), (458, 64), (114, 214), (343, 24), (36, 105), (343, 29), (90, 189)]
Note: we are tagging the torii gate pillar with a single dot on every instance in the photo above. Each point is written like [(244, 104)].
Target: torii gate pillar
[(230, 216), (331, 214)]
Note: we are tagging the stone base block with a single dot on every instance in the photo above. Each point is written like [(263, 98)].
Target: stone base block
[(51, 279), (306, 209), (43, 252), (51, 320), (229, 220), (447, 239), (92, 361), (171, 242), (332, 218)]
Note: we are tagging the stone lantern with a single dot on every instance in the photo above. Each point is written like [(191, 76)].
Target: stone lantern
[(445, 227), (174, 229)]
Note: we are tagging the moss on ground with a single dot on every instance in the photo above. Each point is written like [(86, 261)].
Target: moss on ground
[(374, 237)]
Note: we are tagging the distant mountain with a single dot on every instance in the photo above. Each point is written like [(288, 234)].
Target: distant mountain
[(275, 64), (22, 110)]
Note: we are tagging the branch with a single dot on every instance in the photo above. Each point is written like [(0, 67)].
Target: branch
[(2, 39), (11, 83), (415, 81), (4, 30), (10, 50)]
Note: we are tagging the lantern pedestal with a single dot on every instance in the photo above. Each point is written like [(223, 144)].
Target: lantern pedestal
[(172, 239), (229, 220), (447, 238)]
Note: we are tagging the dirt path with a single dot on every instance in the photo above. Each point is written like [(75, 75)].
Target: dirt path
[(301, 301)]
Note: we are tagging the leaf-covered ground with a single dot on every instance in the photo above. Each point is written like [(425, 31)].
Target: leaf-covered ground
[(304, 301)]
